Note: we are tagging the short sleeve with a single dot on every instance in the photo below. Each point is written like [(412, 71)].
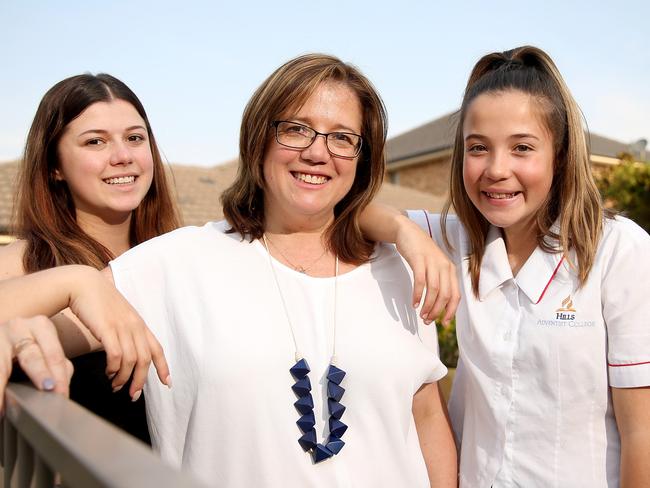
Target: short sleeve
[(625, 252), (429, 337)]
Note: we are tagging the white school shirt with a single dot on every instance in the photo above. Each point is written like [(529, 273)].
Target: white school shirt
[(211, 300), (531, 404)]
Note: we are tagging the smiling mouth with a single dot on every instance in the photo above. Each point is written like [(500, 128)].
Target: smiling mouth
[(122, 180), (311, 179), (501, 196)]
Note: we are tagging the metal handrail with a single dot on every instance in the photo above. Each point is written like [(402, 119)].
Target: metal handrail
[(44, 434)]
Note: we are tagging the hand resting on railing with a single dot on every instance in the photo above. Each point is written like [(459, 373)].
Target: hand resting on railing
[(34, 344), (114, 324)]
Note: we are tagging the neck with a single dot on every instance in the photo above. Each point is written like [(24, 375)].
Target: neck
[(520, 244), (113, 235), (279, 221)]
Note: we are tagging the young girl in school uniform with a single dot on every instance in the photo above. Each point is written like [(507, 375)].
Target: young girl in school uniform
[(554, 323)]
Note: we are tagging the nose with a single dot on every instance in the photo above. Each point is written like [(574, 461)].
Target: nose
[(317, 151), (120, 154), (498, 166)]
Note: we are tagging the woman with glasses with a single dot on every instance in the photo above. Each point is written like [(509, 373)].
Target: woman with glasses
[(298, 359)]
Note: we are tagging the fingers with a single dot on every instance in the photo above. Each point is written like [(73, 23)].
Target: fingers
[(454, 300), (52, 353), (431, 298), (419, 280), (442, 292), (35, 345), (159, 360), (130, 351)]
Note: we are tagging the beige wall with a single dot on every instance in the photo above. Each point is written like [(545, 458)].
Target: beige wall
[(431, 176)]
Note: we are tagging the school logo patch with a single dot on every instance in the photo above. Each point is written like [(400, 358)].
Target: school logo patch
[(566, 311), (565, 316)]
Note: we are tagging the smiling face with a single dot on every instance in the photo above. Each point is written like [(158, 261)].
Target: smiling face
[(105, 159), (508, 160), (302, 186)]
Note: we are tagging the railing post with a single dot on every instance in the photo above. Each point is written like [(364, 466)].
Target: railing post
[(9, 451)]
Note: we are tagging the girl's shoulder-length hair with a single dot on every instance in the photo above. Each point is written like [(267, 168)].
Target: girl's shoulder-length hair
[(286, 89), (574, 202), (45, 214)]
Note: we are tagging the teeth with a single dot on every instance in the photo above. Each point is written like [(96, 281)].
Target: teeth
[(500, 196), (120, 181), (313, 179)]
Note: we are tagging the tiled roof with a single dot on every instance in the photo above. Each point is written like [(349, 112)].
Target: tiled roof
[(439, 134), (198, 190), (430, 137)]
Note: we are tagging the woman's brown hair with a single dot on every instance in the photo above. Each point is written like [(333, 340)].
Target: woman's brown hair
[(574, 201), (286, 89), (45, 216)]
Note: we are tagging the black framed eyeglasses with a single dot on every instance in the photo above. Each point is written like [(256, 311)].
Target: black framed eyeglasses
[(300, 136)]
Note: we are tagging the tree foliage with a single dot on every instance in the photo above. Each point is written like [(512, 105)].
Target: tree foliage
[(448, 344), (626, 188)]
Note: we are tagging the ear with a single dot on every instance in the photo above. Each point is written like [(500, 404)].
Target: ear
[(58, 176)]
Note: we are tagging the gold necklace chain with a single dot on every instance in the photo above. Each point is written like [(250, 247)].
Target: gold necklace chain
[(300, 269)]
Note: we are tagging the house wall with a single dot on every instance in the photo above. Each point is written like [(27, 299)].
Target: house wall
[(431, 176)]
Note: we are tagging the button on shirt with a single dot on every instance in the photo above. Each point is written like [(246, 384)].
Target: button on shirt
[(531, 405)]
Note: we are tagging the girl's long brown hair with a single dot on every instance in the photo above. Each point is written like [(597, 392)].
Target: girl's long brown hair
[(574, 200), (289, 87), (45, 214)]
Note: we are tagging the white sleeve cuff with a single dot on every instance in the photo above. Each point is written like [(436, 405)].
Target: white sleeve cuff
[(633, 375)]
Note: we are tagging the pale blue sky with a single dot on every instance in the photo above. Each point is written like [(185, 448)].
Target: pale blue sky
[(195, 64)]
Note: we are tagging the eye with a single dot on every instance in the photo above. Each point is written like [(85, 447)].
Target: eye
[(521, 148), (136, 138), (94, 142), (477, 148), (343, 138), (295, 129)]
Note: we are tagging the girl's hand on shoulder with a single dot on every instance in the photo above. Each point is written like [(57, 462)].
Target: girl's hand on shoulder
[(434, 275), (34, 344), (129, 345)]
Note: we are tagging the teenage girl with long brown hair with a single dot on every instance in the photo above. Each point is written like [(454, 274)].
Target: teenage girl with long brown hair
[(552, 387), (91, 185)]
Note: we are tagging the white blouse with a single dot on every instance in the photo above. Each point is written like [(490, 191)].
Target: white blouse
[(212, 302)]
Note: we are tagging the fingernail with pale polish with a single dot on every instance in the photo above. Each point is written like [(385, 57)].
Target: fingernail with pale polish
[(136, 396), (48, 384), (168, 381), (117, 388)]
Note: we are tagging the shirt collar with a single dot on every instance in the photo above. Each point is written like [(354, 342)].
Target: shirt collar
[(533, 278), (537, 273), (495, 268)]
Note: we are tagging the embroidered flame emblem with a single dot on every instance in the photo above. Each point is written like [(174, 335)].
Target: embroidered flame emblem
[(567, 305)]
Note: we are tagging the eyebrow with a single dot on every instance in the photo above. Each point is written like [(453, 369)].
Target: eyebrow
[(342, 128), (523, 135), (102, 131)]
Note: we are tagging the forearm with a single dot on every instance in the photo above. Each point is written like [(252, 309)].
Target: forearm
[(43, 293), (382, 223), (436, 437), (635, 460), (632, 410)]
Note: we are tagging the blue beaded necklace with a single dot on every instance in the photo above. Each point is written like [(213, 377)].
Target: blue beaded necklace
[(320, 451)]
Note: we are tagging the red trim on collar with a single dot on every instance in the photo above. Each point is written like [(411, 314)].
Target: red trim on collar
[(549, 281), (426, 216), (623, 365)]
